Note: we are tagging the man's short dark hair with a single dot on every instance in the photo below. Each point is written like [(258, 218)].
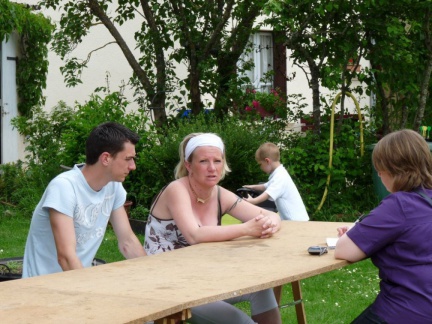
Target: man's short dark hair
[(108, 137)]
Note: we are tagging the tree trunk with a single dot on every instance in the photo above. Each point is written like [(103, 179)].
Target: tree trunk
[(424, 93), (195, 91), (157, 105), (383, 104), (316, 104), (226, 71), (424, 88)]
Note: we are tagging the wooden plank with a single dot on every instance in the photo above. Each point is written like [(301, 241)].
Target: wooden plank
[(154, 287), (297, 294)]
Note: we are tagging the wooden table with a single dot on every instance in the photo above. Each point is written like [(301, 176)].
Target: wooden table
[(154, 287)]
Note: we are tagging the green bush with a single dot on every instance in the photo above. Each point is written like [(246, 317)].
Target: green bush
[(58, 138), (43, 136), (9, 175), (22, 186), (350, 191), (97, 110)]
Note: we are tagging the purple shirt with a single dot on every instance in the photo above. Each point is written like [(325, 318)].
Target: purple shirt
[(397, 236)]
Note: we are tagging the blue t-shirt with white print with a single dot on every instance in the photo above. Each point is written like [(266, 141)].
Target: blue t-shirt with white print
[(70, 194)]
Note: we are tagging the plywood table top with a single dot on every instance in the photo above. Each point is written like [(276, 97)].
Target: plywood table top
[(152, 287)]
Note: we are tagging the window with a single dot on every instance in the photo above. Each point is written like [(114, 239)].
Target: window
[(257, 61)]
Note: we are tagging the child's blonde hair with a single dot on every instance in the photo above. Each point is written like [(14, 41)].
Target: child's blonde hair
[(267, 150)]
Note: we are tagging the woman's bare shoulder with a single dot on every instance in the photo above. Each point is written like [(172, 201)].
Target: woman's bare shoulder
[(176, 186)]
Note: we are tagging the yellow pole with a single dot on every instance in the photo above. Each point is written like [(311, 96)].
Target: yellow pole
[(332, 137)]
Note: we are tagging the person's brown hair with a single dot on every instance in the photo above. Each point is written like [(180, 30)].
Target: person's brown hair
[(181, 171), (406, 156), (108, 137), (267, 150)]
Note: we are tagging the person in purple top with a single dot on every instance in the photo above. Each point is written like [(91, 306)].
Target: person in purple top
[(397, 234)]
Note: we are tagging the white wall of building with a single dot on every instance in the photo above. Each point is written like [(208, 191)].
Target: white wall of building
[(10, 140)]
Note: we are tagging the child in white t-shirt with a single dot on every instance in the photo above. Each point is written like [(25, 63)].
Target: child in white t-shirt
[(279, 187)]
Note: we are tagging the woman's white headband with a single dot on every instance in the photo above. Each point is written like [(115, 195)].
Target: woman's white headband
[(206, 139)]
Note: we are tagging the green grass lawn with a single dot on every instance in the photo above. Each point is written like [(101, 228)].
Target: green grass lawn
[(334, 297)]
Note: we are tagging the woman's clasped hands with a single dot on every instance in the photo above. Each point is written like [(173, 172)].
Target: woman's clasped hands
[(261, 226)]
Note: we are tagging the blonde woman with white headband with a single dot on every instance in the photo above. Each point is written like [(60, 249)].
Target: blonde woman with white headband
[(189, 210)]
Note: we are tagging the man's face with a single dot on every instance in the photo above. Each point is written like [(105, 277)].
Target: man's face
[(123, 162)]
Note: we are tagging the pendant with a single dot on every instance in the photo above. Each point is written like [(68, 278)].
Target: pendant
[(199, 200)]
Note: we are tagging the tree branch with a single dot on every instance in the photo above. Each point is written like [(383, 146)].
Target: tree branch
[(95, 50), (98, 12)]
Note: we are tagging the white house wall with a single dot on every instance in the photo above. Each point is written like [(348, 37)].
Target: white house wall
[(11, 145)]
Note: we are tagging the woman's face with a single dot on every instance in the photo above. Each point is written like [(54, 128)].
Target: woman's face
[(207, 165), (387, 180)]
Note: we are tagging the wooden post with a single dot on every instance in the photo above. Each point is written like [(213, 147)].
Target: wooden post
[(300, 311), (175, 318)]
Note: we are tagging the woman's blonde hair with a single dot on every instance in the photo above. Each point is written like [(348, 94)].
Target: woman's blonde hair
[(406, 156), (181, 171)]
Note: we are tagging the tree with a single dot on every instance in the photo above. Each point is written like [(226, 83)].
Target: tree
[(393, 35), (194, 33), (426, 34), (317, 33)]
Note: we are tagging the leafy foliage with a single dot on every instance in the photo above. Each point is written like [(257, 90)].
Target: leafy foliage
[(266, 104), (57, 139), (350, 190), (10, 173), (21, 186), (394, 36), (97, 110), (44, 146), (35, 33)]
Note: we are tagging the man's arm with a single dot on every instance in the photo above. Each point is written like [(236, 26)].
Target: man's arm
[(65, 240), (128, 243)]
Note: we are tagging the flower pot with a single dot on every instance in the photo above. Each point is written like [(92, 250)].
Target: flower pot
[(127, 206), (138, 225)]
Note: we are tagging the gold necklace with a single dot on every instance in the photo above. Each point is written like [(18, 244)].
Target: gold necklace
[(198, 199)]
